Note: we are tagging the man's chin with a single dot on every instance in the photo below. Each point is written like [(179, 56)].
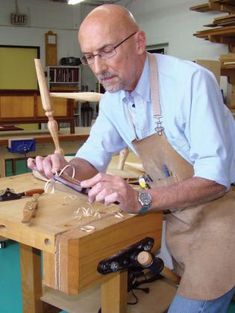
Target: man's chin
[(112, 88)]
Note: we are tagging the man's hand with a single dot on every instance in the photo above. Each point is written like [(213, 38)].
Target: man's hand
[(109, 189), (47, 166)]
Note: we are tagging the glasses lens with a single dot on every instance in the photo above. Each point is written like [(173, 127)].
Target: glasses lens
[(108, 52), (83, 59)]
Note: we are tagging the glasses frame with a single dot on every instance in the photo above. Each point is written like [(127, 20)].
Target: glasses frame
[(102, 55)]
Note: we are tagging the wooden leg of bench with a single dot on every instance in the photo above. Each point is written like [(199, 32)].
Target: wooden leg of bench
[(31, 280), (114, 293)]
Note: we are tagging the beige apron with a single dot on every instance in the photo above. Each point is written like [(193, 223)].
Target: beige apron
[(201, 238)]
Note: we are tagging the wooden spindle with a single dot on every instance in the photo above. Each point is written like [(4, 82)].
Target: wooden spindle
[(123, 154), (47, 106), (84, 96)]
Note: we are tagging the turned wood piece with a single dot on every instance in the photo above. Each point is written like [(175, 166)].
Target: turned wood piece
[(123, 154), (79, 96), (145, 258), (47, 106)]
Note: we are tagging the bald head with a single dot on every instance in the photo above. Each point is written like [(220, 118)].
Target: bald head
[(113, 46), (115, 18)]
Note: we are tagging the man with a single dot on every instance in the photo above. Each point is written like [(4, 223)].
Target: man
[(170, 112)]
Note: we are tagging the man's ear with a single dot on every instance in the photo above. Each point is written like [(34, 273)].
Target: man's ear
[(140, 42)]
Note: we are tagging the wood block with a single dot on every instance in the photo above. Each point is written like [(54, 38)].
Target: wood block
[(213, 66), (231, 90)]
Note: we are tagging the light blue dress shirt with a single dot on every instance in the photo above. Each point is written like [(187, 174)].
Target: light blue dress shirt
[(196, 122)]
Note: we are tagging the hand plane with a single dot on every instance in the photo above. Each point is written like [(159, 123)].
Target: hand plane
[(9, 194)]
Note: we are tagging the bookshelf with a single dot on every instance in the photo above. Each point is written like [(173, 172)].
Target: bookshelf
[(63, 78)]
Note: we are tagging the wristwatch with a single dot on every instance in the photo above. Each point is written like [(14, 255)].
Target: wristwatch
[(145, 199)]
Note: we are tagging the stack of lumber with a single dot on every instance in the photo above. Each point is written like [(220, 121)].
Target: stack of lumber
[(225, 20), (215, 5), (222, 28), (227, 61)]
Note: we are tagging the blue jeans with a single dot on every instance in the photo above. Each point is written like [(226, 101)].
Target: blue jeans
[(186, 305)]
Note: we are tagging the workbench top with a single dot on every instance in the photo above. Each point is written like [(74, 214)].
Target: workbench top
[(71, 254), (57, 213)]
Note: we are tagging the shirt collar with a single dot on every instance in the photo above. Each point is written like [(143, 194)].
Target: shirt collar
[(143, 88)]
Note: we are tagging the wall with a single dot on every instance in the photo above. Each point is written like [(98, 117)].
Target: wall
[(43, 16), (172, 22), (88, 78), (168, 21)]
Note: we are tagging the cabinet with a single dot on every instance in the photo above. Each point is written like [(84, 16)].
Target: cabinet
[(63, 78), (24, 106), (222, 30)]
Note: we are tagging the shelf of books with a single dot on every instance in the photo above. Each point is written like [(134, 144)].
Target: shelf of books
[(63, 78)]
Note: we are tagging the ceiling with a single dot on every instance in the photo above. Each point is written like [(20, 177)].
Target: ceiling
[(90, 1)]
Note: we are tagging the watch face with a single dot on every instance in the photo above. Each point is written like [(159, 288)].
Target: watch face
[(145, 198)]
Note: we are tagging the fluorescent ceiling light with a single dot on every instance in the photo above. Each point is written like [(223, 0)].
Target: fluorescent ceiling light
[(74, 1)]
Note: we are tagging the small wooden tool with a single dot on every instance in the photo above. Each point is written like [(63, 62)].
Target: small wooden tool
[(30, 209)]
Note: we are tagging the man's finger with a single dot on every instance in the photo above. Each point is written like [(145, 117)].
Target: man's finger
[(93, 181), (112, 198)]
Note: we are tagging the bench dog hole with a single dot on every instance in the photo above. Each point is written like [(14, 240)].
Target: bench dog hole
[(47, 241)]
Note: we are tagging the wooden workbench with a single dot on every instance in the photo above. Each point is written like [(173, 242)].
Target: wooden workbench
[(70, 255), (44, 145)]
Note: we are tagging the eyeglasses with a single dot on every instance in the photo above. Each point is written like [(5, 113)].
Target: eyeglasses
[(106, 53)]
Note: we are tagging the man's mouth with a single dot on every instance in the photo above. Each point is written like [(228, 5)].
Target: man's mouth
[(106, 78)]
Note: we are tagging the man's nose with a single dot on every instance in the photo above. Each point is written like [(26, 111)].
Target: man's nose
[(99, 65)]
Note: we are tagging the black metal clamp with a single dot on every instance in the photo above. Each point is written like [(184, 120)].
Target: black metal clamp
[(136, 257)]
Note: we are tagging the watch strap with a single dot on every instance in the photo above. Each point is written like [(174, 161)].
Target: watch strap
[(144, 209)]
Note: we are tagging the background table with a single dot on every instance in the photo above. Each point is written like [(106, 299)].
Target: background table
[(44, 145)]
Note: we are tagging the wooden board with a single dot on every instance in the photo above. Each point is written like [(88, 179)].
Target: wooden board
[(220, 31), (156, 301), (223, 6), (224, 20)]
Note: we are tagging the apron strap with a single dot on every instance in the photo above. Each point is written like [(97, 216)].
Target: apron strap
[(154, 85), (155, 97)]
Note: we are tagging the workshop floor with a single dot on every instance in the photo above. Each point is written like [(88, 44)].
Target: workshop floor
[(10, 291)]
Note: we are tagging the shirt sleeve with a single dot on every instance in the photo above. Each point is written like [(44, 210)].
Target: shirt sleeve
[(208, 130), (103, 141)]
